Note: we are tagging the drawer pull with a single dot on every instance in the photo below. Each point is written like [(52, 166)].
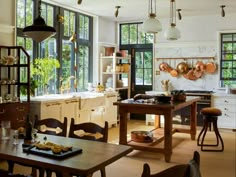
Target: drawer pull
[(226, 101), (53, 104), (20, 109), (226, 109), (73, 101), (2, 111)]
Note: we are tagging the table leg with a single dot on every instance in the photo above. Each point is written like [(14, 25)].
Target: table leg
[(168, 135), (157, 122), (193, 121), (123, 126)]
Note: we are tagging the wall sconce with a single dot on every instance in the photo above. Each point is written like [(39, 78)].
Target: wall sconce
[(60, 19), (179, 14), (79, 2), (117, 11), (73, 37), (222, 10)]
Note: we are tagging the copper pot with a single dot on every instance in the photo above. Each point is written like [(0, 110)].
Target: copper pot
[(164, 67), (211, 67), (200, 66), (182, 67)]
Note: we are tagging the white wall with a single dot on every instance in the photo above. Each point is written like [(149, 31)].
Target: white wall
[(199, 38), (7, 22)]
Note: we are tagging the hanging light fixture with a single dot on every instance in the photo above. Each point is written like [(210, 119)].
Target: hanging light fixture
[(222, 10), (117, 11), (152, 25), (179, 14), (172, 32), (39, 31)]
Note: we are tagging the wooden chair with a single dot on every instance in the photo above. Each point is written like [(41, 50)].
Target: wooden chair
[(51, 126), (192, 169), (91, 131), (4, 173)]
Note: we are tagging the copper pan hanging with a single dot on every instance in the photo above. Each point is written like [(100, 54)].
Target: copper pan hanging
[(174, 72), (211, 67)]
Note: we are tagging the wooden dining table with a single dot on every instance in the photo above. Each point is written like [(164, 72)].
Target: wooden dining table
[(167, 109), (94, 156)]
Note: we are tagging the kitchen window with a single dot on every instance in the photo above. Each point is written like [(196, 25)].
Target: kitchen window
[(72, 44), (228, 59)]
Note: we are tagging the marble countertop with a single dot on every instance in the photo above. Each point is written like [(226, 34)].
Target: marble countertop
[(62, 97)]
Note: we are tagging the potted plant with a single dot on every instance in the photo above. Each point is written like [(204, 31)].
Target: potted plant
[(44, 70)]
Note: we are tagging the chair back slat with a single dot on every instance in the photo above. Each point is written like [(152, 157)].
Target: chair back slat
[(89, 129), (51, 125)]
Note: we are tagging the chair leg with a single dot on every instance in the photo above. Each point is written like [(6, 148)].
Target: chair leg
[(10, 166), (200, 134), (218, 136)]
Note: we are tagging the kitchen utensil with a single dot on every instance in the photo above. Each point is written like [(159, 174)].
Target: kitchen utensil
[(211, 67), (163, 98), (182, 67), (200, 66), (174, 73), (142, 136), (165, 67)]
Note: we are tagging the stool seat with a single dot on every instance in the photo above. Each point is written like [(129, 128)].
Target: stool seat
[(211, 111), (210, 116)]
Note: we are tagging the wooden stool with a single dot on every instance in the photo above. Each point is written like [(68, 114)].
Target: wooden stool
[(210, 115)]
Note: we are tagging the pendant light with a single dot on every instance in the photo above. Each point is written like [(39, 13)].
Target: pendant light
[(39, 31), (172, 32), (152, 25)]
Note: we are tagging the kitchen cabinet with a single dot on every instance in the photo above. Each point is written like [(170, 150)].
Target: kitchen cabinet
[(227, 104), (110, 114), (84, 107), (92, 110), (14, 78), (115, 72), (47, 109)]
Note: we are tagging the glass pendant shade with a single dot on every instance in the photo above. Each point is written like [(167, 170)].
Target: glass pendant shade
[(39, 31), (152, 25), (172, 33)]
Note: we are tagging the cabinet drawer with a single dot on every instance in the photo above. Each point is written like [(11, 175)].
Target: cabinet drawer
[(226, 108), (224, 100), (227, 120)]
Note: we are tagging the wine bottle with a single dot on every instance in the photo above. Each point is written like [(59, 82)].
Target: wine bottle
[(28, 129)]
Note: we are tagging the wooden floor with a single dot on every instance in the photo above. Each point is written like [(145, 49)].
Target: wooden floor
[(213, 164)]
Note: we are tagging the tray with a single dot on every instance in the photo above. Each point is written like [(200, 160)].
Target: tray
[(49, 153)]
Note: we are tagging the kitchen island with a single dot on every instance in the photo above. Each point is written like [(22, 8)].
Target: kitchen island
[(167, 110)]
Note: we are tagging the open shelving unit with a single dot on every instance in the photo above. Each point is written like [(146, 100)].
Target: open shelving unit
[(115, 74)]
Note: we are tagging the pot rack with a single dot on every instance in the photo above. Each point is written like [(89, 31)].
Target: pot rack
[(188, 58)]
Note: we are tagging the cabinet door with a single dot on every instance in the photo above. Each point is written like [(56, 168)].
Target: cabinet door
[(110, 114), (84, 116), (70, 110), (52, 110), (96, 115)]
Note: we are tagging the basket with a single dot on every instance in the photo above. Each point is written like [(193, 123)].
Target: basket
[(179, 97)]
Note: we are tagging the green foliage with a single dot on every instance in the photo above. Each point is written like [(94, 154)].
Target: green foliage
[(44, 69)]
